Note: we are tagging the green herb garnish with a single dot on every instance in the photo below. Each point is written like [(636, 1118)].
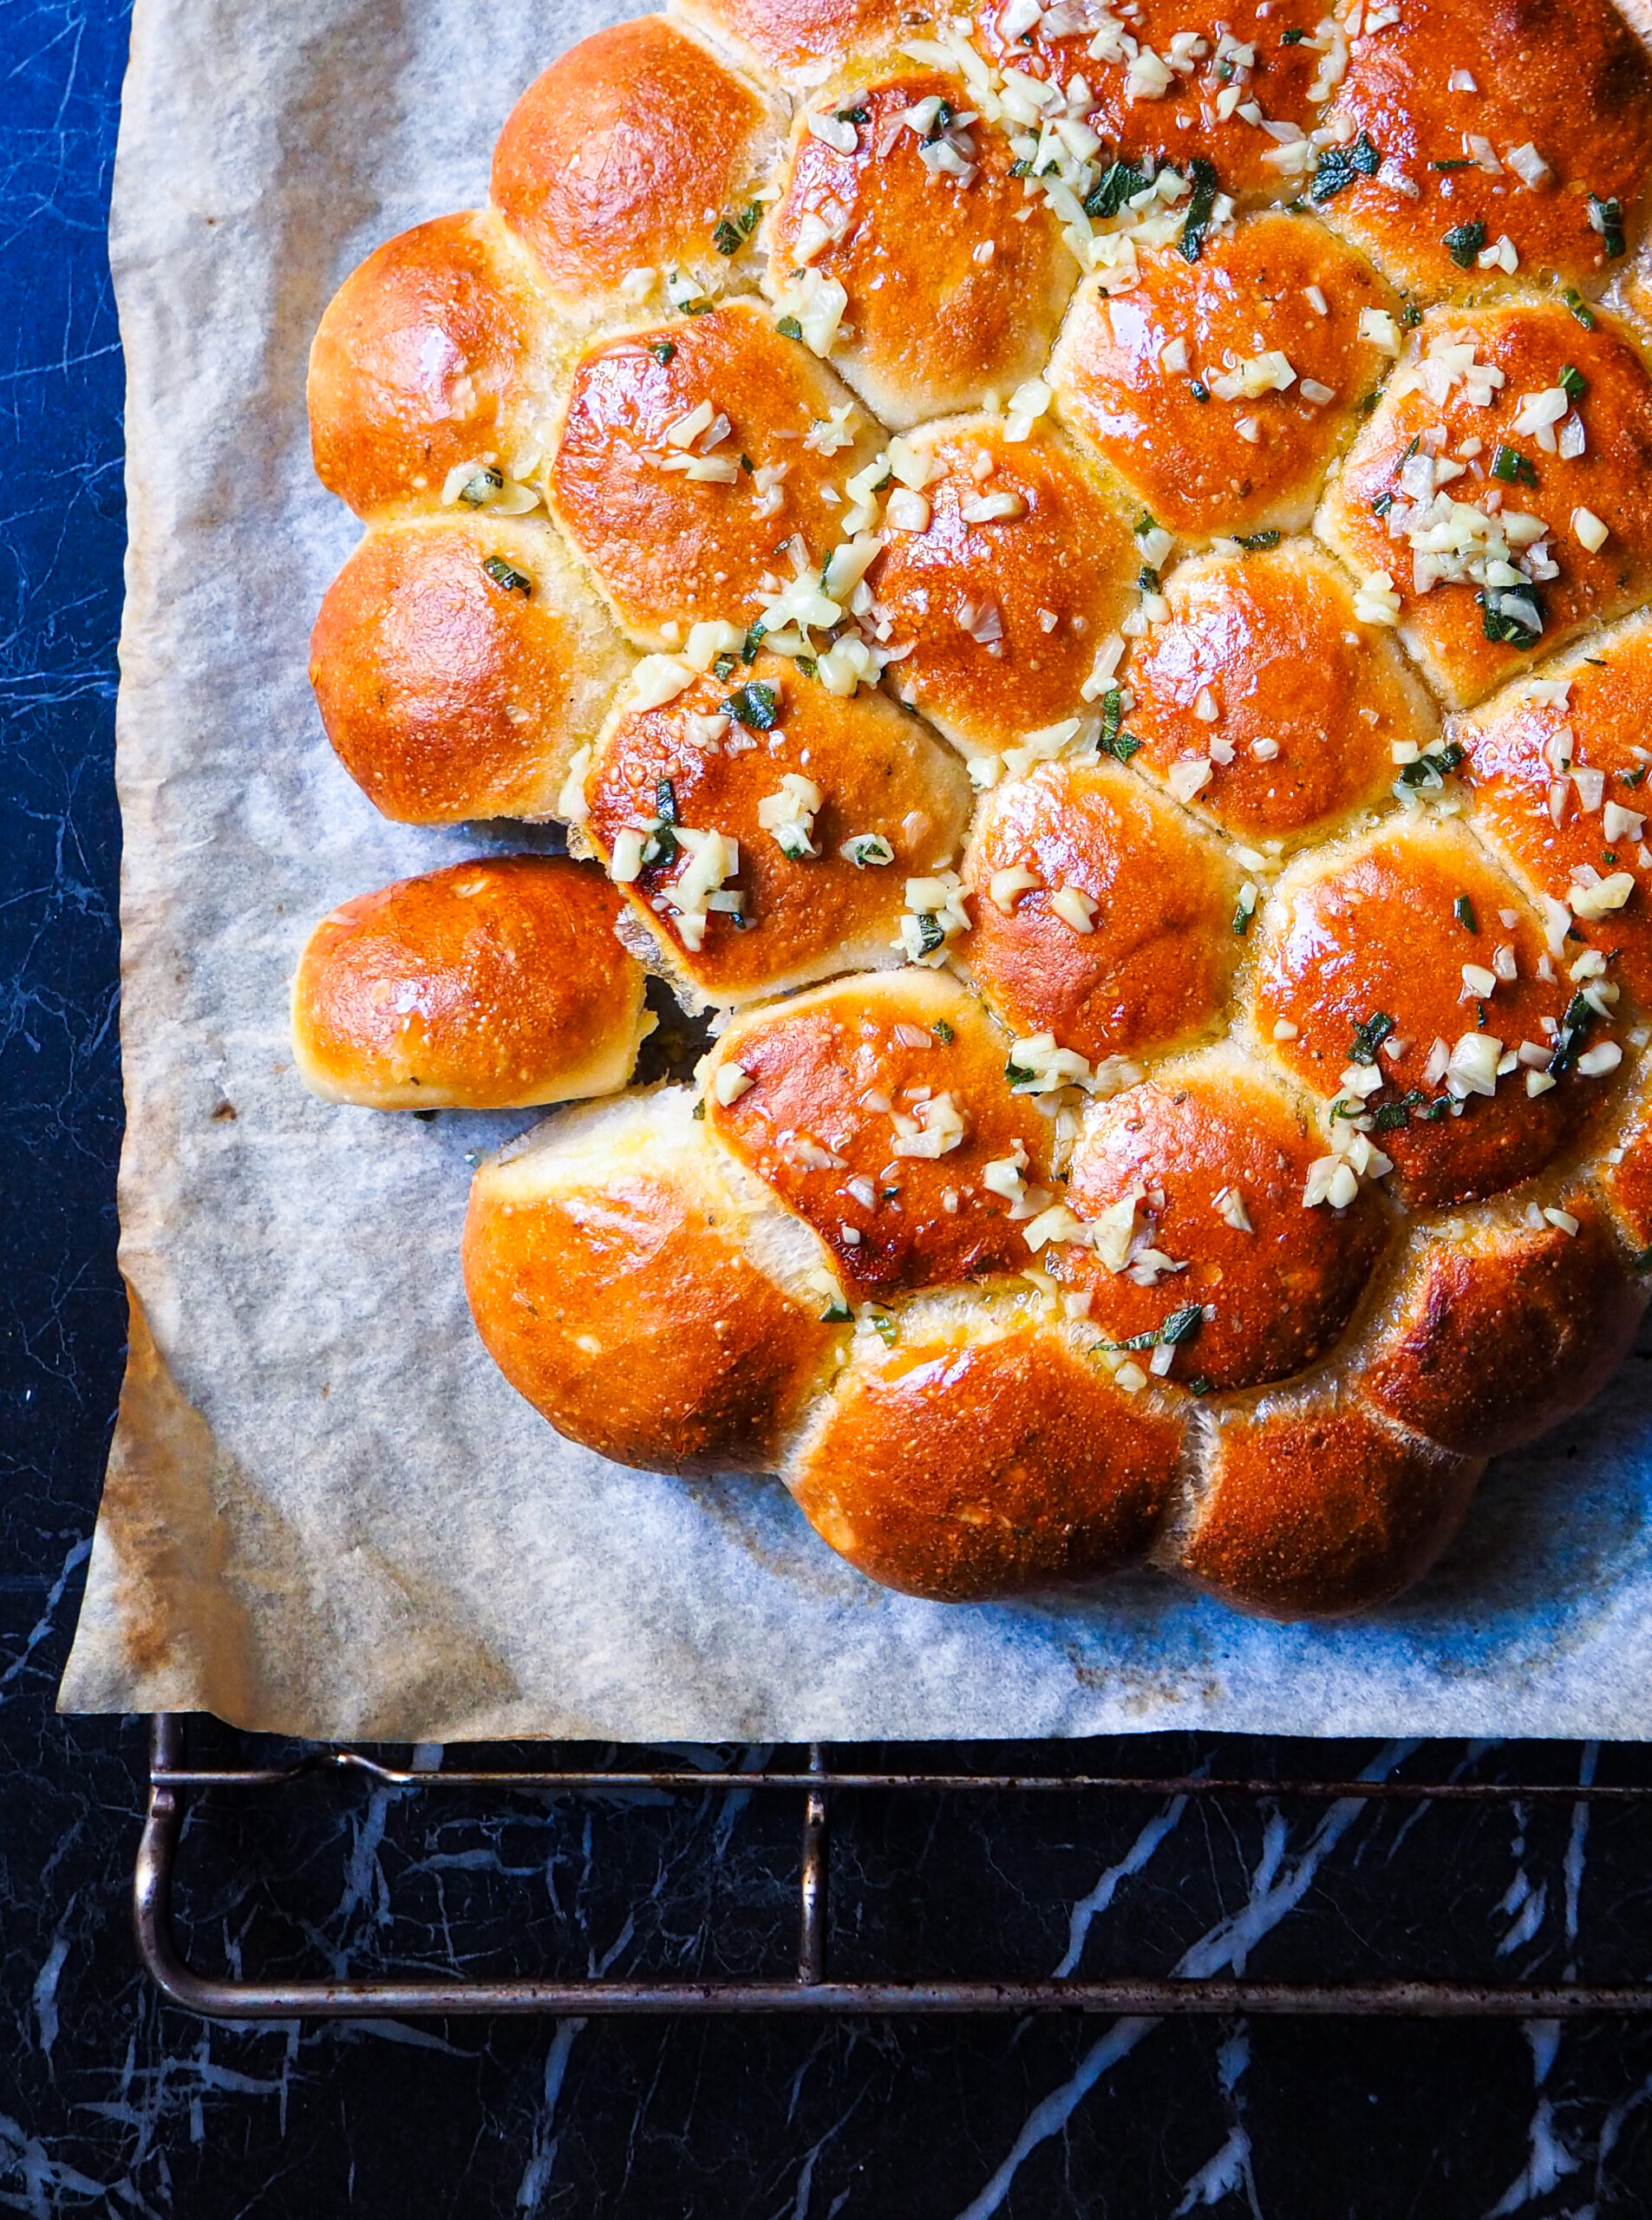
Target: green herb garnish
[(757, 706), (1199, 209), (1255, 541), (663, 350), (789, 327), (506, 575), (1464, 241), (1370, 1036), (1572, 382), (1463, 910), (1607, 216), (1119, 182), (1513, 467), (1338, 167)]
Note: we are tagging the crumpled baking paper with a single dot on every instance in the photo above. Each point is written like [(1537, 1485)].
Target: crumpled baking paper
[(325, 1512)]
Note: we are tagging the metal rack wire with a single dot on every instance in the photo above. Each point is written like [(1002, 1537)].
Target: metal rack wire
[(172, 1781)]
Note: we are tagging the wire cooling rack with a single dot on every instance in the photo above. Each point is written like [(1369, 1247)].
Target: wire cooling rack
[(812, 1988)]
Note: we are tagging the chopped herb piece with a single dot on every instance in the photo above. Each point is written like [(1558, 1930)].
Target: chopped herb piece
[(808, 666), (1608, 855), (1580, 308), (1224, 71), (1346, 1108), (870, 848), (1513, 467), (1201, 1386), (1016, 1076), (1112, 715), (1462, 162), (665, 803), (943, 1033), (1411, 315), (1256, 540), (1147, 580), (752, 641), (1572, 382), (477, 490), (1199, 209), (1463, 910), (931, 932), (1382, 504), (1120, 182), (1436, 764), (836, 1313), (1021, 169), (1180, 1326), (725, 666), (1607, 217), (1370, 1036), (749, 466), (660, 847), (701, 307), (1242, 918), (506, 575), (886, 1326), (1200, 390), (663, 350), (1389, 1115), (884, 482), (945, 114), (1464, 241), (1146, 522), (789, 327), (757, 706), (853, 116), (1339, 165), (1574, 1027), (1121, 745), (1632, 778), (1511, 615), (699, 1107), (733, 233), (1293, 38)]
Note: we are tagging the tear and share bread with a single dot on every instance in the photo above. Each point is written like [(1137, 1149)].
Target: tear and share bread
[(491, 985), (1079, 578)]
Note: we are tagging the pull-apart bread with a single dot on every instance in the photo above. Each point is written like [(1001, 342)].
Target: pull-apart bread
[(1077, 572)]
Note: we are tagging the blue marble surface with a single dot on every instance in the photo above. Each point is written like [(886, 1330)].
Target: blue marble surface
[(111, 2103)]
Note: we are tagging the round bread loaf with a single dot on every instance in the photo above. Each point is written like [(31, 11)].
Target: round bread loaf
[(1078, 578)]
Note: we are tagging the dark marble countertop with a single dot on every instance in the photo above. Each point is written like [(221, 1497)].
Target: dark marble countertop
[(111, 2102)]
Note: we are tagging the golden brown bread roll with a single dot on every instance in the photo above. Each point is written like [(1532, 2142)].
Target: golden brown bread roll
[(1218, 389), (1502, 122), (830, 806), (641, 1297), (625, 156), (459, 664), (867, 206), (1308, 1508), (973, 1449), (1000, 576), (691, 455), (1262, 672), (421, 366), (1102, 913), (1182, 1079), (1501, 1327), (490, 985), (1199, 1173), (1483, 408)]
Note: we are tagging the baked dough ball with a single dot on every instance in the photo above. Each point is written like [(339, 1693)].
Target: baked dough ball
[(1500, 1327), (624, 157), (1309, 1508), (1197, 1177), (422, 366), (1103, 914), (459, 664), (1559, 768), (651, 479), (1218, 390), (490, 985), (795, 38), (1168, 82), (1502, 489), (1264, 673), (975, 1449), (1492, 120), (639, 1295), (891, 225), (803, 782), (1001, 576), (1409, 954), (873, 1108)]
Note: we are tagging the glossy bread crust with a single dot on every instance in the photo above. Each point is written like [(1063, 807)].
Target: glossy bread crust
[(610, 1273), (490, 985), (983, 1455), (460, 662)]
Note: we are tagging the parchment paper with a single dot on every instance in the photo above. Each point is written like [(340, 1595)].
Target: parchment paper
[(326, 1511)]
